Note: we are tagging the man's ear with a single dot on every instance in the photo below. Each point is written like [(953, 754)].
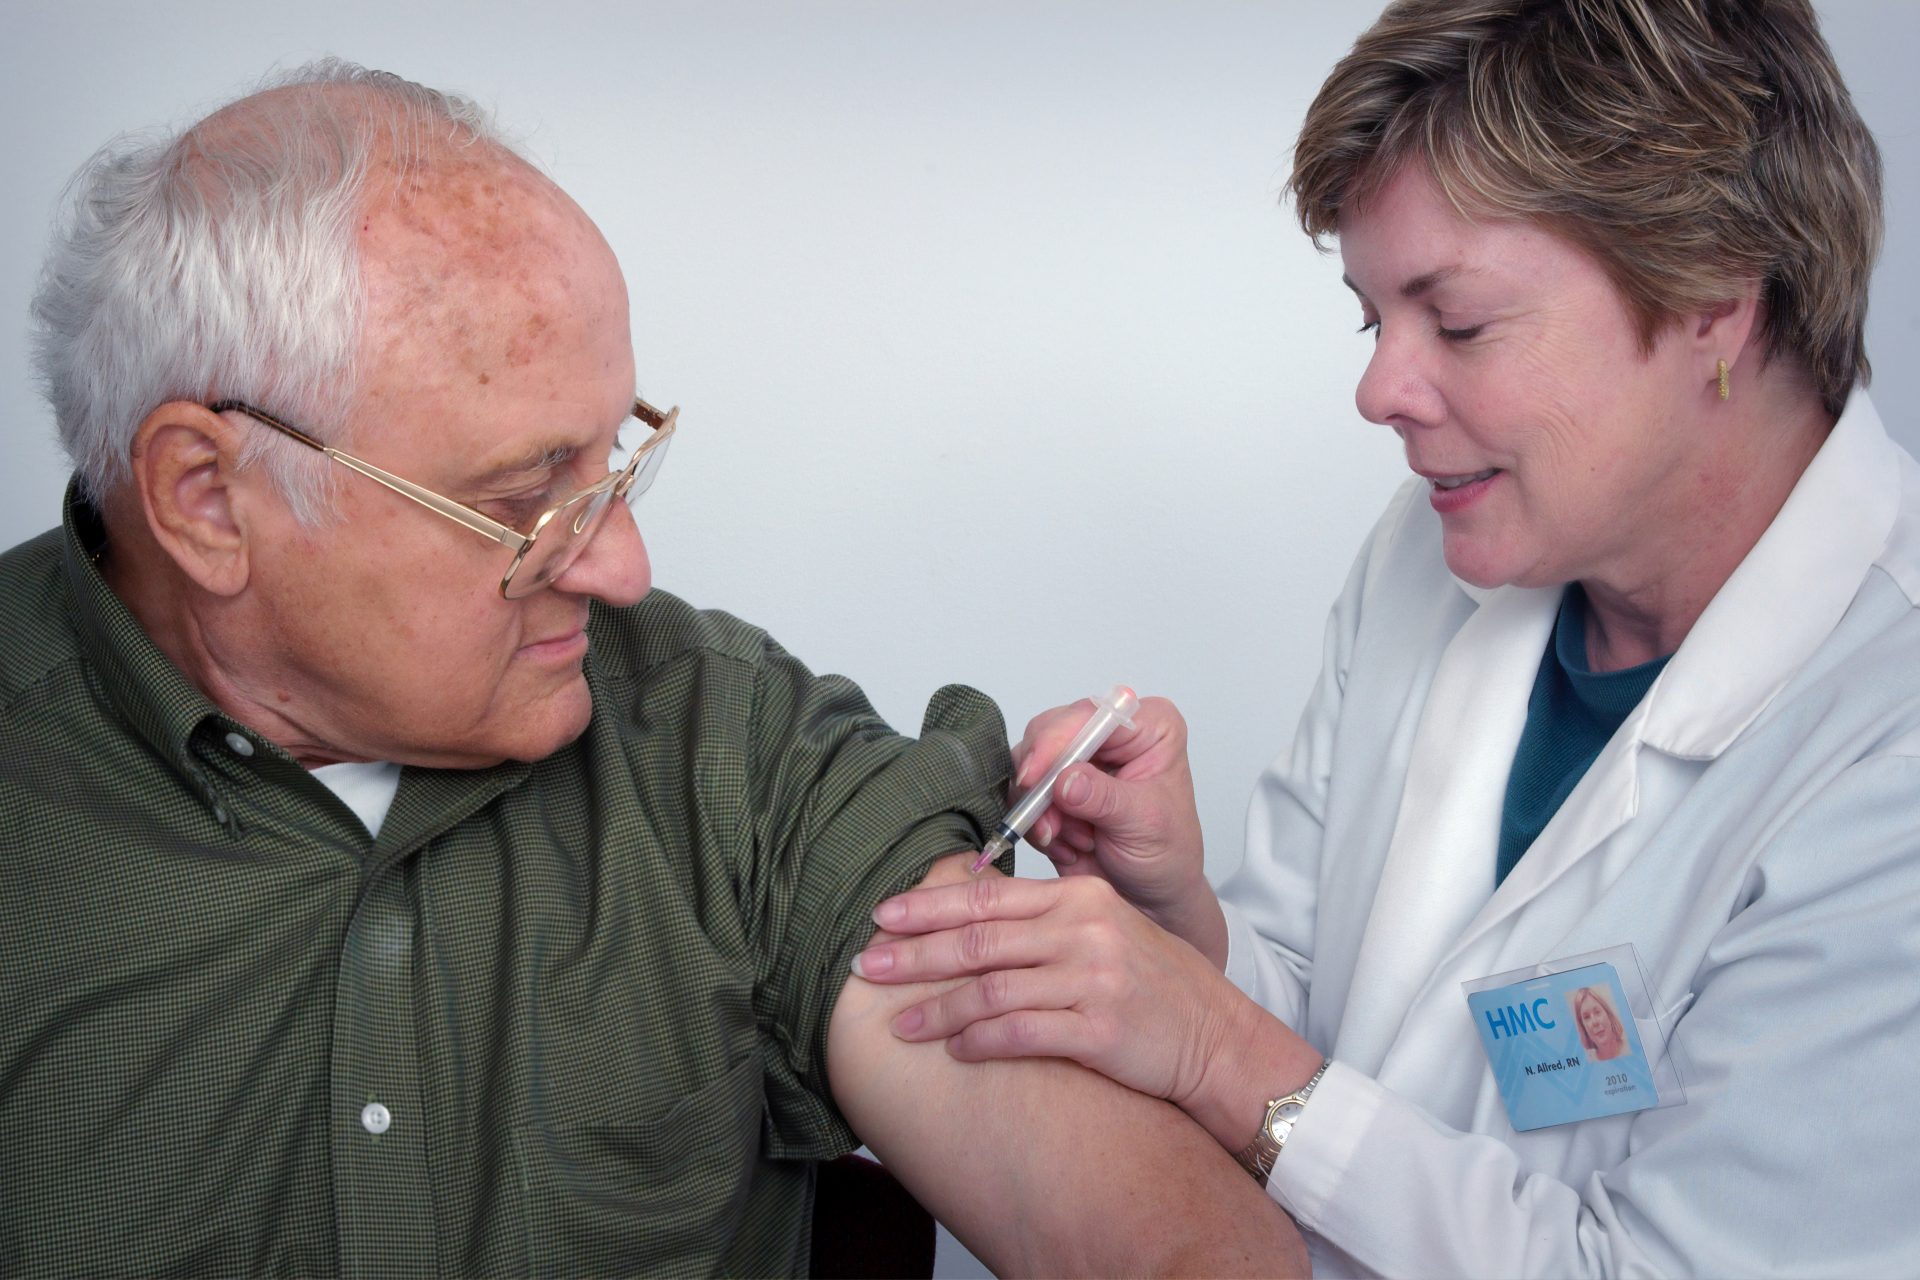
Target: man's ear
[(184, 462)]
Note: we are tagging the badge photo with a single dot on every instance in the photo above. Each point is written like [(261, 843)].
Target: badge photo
[(1574, 1040)]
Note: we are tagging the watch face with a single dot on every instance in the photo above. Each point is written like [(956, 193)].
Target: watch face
[(1282, 1122)]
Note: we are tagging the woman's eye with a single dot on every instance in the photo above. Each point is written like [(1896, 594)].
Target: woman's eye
[(1458, 335), (1370, 326)]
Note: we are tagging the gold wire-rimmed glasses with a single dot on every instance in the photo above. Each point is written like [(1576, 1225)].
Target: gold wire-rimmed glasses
[(562, 531)]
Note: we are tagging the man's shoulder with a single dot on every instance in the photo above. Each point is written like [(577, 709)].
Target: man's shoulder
[(664, 628), (36, 633)]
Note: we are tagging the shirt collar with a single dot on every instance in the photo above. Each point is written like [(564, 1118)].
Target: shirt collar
[(172, 716), (144, 686), (1606, 695), (1786, 596)]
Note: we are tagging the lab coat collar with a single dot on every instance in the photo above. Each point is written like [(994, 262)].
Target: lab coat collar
[(1746, 645), (1786, 597), (1479, 595), (1431, 900)]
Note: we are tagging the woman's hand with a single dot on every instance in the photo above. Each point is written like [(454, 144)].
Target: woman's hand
[(1066, 969), (1127, 817)]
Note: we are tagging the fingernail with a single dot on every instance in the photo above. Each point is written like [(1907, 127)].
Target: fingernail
[(909, 1022), (1076, 789), (873, 962), (889, 913)]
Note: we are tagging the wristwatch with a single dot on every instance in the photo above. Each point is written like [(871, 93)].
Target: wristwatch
[(1257, 1157)]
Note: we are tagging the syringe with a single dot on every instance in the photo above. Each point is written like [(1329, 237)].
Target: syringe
[(1109, 713)]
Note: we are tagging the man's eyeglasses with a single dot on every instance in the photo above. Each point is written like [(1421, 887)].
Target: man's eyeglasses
[(562, 531)]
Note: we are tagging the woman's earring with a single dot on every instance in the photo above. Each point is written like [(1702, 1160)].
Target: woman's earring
[(1725, 390)]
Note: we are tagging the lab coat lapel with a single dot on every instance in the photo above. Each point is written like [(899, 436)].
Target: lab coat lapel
[(1605, 799), (1739, 655), (1440, 862)]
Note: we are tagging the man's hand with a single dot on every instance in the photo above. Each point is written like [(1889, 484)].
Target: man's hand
[(1040, 1166)]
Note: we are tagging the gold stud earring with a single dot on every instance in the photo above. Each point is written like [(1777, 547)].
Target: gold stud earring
[(1725, 390)]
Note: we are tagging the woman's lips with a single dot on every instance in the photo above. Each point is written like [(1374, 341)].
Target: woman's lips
[(1450, 493)]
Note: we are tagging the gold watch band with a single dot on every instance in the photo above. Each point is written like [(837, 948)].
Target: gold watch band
[(1257, 1156)]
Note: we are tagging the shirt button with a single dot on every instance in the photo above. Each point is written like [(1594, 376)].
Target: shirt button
[(375, 1119), (239, 744)]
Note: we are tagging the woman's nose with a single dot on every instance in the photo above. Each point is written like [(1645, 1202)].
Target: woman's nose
[(1397, 390)]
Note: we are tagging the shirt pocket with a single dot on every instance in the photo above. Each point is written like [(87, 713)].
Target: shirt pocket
[(663, 1195)]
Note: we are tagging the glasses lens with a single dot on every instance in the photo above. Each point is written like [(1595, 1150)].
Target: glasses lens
[(562, 538), (560, 542), (649, 468)]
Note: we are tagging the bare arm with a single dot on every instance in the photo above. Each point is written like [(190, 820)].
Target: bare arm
[(1042, 1167)]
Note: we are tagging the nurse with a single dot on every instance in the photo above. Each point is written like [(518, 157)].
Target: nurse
[(1600, 1031), (1623, 692)]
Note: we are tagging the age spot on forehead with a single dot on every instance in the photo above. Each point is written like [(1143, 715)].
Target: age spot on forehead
[(476, 270), (522, 348)]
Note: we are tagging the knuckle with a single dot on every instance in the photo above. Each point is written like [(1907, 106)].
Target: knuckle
[(976, 945), (1107, 797), (1164, 710), (996, 990), (1094, 892), (983, 896), (1104, 937), (1023, 1030), (1039, 727)]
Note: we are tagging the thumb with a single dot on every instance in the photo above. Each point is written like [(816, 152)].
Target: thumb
[(1098, 798)]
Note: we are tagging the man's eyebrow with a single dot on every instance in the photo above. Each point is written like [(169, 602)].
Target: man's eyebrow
[(542, 458), (1414, 287)]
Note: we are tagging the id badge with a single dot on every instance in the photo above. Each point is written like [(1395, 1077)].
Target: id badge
[(1574, 1039)]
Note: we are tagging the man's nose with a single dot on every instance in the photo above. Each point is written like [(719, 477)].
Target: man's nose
[(613, 567)]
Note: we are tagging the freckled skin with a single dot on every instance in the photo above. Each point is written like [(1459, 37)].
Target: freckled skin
[(1557, 392), (385, 636), (1619, 468)]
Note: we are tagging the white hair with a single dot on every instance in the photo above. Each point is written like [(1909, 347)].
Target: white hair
[(221, 262)]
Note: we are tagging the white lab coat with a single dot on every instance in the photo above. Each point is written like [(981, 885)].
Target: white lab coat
[(1753, 830)]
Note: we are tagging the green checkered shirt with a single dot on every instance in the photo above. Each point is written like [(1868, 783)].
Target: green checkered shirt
[(590, 993)]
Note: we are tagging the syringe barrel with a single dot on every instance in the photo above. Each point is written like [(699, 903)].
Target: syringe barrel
[(1109, 713)]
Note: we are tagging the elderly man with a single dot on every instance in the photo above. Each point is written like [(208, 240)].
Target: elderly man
[(388, 887)]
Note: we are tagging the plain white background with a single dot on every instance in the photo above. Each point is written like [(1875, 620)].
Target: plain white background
[(998, 360)]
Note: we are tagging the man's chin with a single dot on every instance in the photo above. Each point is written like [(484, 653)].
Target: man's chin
[(527, 734), (536, 734), (557, 724)]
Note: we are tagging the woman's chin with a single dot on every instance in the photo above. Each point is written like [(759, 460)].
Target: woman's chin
[(1480, 564), (1476, 565)]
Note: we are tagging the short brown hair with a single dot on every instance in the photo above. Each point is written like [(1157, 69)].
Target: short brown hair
[(1692, 146)]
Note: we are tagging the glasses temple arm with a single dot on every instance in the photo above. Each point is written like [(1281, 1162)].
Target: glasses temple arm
[(428, 498)]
